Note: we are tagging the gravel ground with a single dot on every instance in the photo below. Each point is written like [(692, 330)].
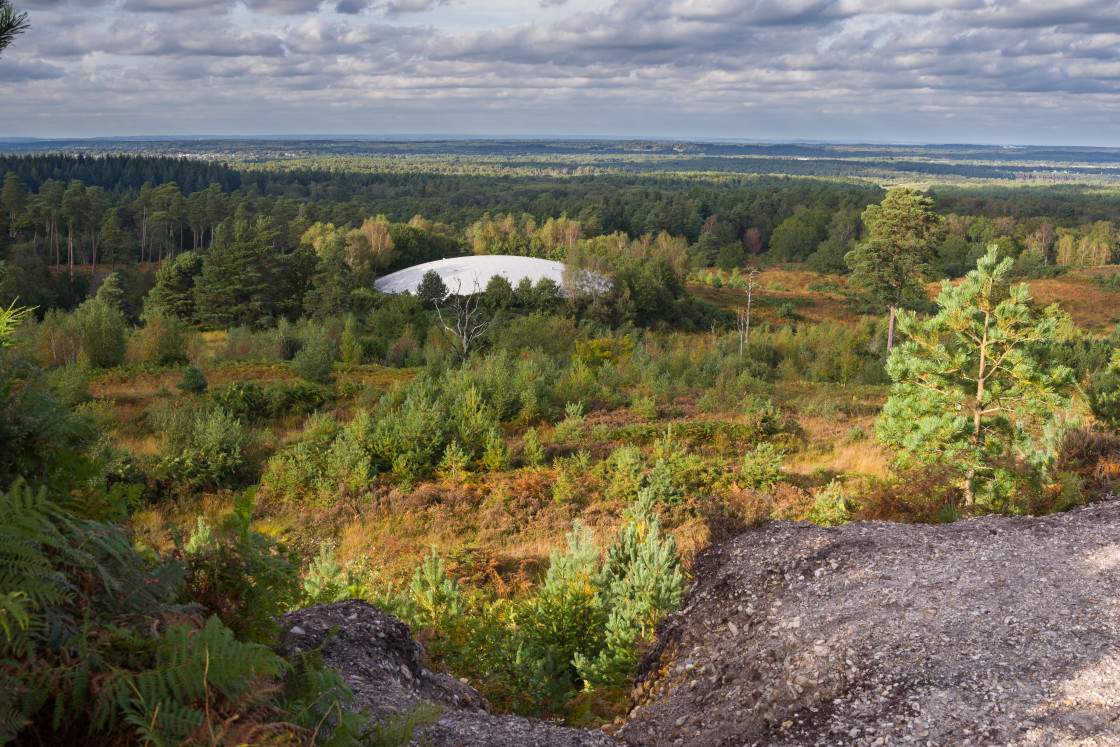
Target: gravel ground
[(984, 631)]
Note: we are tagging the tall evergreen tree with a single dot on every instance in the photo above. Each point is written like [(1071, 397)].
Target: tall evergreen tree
[(174, 292), (332, 283), (13, 198), (902, 232), (238, 281)]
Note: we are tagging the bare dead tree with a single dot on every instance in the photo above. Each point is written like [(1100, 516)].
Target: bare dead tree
[(465, 322), (743, 318)]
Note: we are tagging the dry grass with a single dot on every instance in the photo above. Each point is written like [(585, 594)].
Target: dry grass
[(1092, 307), (812, 306)]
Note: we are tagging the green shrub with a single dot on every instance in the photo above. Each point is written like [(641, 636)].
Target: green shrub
[(1103, 393), (295, 398), (164, 340), (531, 450), (348, 467), (570, 430), (409, 439), (327, 580), (566, 489), (70, 385), (244, 400), (624, 472), (102, 329), (762, 467), (201, 449), (435, 599), (280, 344), (296, 471), (831, 506), (645, 407), (350, 345), (495, 457), (565, 617), (455, 463), (765, 417), (313, 361), (59, 339), (193, 381), (662, 485), (641, 583)]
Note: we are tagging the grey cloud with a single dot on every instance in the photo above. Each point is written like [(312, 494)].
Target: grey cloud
[(1026, 14), (34, 5), (413, 6), (171, 39), (179, 6), (12, 71), (391, 8), (284, 7)]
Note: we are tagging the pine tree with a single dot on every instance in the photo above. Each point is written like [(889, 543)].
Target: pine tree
[(13, 198), (113, 240), (111, 292), (889, 265), (238, 281), (332, 283), (174, 292), (641, 582), (968, 387)]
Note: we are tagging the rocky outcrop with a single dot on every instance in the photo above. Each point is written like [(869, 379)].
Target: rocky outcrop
[(381, 662), (984, 631)]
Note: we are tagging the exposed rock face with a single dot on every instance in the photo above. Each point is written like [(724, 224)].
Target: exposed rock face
[(985, 631), (381, 662)]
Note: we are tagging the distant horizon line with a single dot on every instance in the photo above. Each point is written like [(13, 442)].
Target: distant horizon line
[(433, 137)]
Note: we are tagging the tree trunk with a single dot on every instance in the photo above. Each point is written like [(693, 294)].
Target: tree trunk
[(978, 412), (890, 329), (143, 232)]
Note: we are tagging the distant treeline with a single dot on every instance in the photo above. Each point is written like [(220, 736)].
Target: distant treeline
[(118, 173), (67, 211)]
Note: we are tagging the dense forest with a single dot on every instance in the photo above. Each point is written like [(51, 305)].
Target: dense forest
[(208, 416)]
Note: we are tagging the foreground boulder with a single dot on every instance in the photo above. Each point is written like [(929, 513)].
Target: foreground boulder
[(381, 662), (984, 631)]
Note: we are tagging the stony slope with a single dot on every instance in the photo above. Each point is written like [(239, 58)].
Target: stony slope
[(985, 631)]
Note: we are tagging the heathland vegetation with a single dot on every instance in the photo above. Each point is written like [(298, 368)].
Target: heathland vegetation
[(208, 416)]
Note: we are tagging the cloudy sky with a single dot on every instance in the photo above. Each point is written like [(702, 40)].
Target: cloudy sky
[(981, 71)]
